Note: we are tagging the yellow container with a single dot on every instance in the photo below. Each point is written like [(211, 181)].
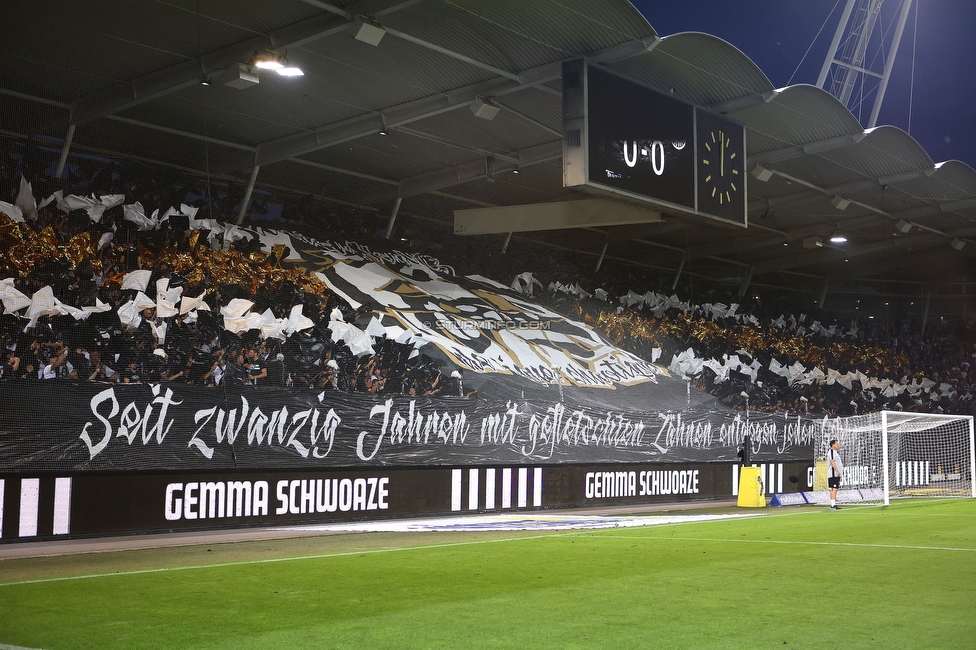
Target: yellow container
[(752, 494), (820, 475)]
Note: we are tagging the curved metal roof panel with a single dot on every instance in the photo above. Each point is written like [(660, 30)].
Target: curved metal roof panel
[(956, 179), (516, 36), (702, 69), (893, 151), (796, 115)]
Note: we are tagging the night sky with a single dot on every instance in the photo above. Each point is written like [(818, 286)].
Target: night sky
[(775, 34)]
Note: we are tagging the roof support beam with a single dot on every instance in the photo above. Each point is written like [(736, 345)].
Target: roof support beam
[(742, 103), (820, 190), (369, 123), (430, 137), (845, 189), (559, 215), (247, 194), (452, 54), (885, 248), (619, 234), (879, 183), (331, 8), (202, 138), (534, 122), (929, 210), (810, 148), (762, 240), (65, 148), (933, 256), (455, 175), (188, 72)]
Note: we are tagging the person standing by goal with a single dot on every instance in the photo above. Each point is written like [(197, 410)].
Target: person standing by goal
[(835, 469)]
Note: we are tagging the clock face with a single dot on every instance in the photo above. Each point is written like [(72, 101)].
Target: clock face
[(719, 165), (721, 168)]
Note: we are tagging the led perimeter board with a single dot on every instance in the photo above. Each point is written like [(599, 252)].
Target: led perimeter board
[(622, 138)]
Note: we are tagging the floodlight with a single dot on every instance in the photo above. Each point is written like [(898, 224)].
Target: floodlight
[(957, 243), (268, 61)]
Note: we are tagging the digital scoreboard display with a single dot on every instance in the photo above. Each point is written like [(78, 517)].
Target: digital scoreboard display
[(624, 138), (640, 141)]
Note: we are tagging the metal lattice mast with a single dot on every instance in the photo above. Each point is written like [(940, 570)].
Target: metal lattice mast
[(847, 74)]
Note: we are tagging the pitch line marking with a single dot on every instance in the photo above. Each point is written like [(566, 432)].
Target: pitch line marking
[(389, 549), (784, 541)]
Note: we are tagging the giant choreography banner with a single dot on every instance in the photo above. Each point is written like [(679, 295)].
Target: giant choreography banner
[(480, 325), (56, 426)]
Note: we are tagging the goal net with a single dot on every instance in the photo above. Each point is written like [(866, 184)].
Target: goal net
[(894, 454)]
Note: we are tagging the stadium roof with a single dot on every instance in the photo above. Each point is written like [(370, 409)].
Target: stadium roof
[(367, 124)]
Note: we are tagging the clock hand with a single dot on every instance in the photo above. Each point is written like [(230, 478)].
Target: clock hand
[(722, 163)]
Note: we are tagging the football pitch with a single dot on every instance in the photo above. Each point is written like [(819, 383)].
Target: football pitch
[(863, 577)]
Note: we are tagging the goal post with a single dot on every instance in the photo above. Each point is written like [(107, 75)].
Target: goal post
[(892, 454)]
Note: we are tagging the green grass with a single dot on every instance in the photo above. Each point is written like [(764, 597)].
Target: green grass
[(897, 577)]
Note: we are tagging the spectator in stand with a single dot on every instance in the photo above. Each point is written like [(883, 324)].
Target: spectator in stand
[(256, 368), (100, 371)]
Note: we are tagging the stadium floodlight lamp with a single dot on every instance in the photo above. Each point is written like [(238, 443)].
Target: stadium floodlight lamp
[(268, 61), (838, 238), (290, 71)]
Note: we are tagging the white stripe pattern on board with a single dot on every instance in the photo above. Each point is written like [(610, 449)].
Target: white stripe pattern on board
[(490, 488), (473, 489), (30, 493), (514, 488), (455, 490), (912, 472), (523, 480), (30, 496), (772, 478), (62, 506)]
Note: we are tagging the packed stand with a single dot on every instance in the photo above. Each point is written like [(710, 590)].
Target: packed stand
[(91, 317)]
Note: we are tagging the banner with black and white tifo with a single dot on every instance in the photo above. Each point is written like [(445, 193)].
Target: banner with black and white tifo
[(49, 426)]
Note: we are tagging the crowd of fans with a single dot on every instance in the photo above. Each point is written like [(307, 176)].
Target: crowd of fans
[(191, 348), (199, 351), (874, 367), (914, 365)]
